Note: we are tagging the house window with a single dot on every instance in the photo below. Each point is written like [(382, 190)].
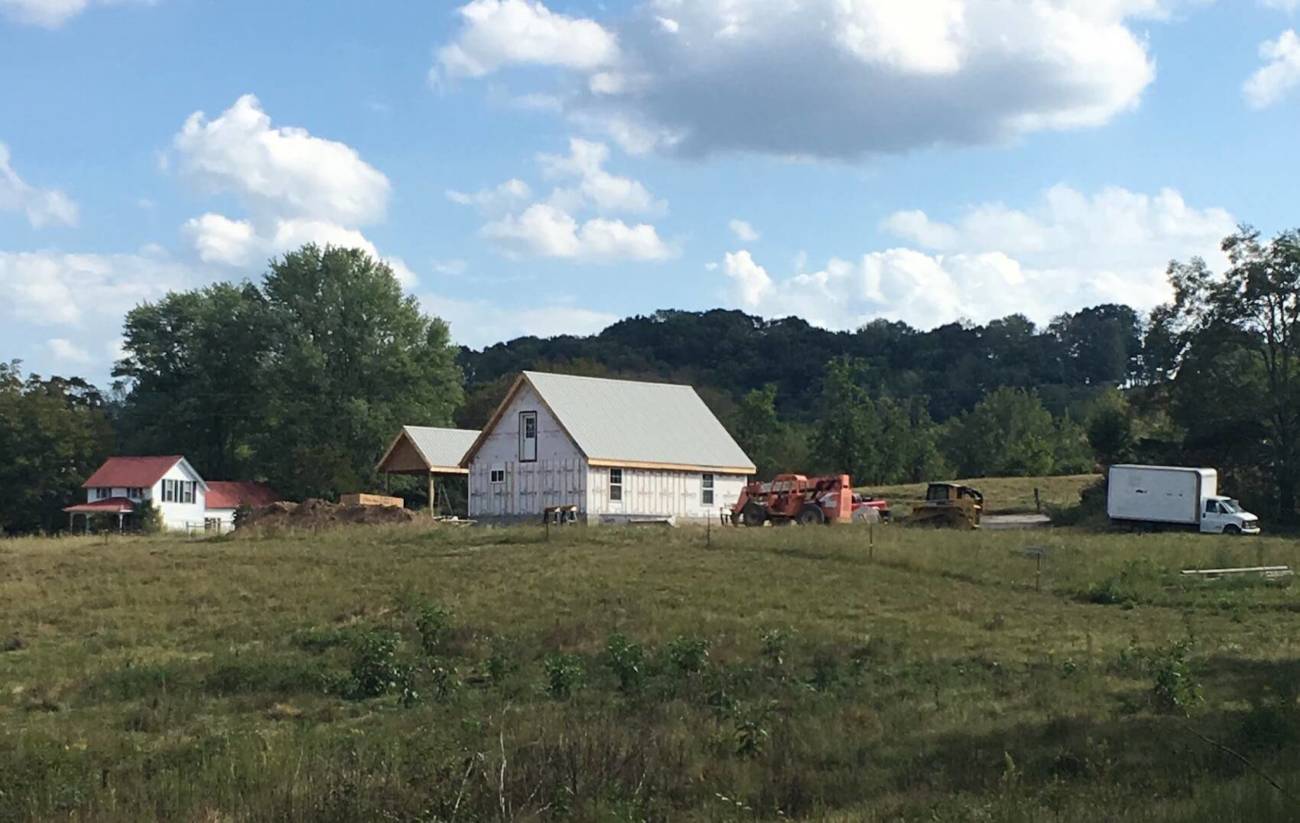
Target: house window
[(187, 491), (706, 489), (615, 485), (497, 476), (135, 493), (527, 437), (179, 491)]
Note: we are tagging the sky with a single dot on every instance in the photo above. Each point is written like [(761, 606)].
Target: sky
[(550, 166)]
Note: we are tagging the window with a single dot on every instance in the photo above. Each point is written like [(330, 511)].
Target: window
[(135, 493), (706, 489), (179, 491), (615, 485), (187, 491), (497, 476), (527, 437)]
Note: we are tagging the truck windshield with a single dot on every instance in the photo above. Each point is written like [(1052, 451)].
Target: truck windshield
[(1230, 506)]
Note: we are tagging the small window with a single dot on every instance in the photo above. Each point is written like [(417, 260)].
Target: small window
[(615, 485), (135, 493), (706, 489), (497, 476), (167, 491), (527, 436), (191, 491)]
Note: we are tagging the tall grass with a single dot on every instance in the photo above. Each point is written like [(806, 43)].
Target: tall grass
[(417, 673)]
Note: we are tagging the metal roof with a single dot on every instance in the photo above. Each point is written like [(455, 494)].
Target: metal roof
[(440, 448), (629, 421), (131, 472)]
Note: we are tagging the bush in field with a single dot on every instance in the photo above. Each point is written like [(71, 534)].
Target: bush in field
[(434, 623), (150, 519), (564, 675), (1138, 581), (627, 660), (774, 646), (688, 655), (375, 668), (749, 729), (1175, 688)]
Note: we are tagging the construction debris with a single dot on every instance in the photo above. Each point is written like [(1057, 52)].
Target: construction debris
[(317, 514), (378, 500), (1270, 572)]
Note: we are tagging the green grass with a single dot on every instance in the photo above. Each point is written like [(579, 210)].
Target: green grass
[(619, 674), (1002, 495)]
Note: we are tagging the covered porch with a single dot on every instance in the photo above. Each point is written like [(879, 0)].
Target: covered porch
[(120, 507), (432, 454)]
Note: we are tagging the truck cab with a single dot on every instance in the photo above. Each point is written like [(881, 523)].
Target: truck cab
[(1223, 515)]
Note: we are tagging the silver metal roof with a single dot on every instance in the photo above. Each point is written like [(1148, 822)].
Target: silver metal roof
[(442, 448), (635, 422)]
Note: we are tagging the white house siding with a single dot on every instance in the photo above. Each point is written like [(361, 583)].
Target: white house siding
[(557, 478), (660, 493), (181, 516)]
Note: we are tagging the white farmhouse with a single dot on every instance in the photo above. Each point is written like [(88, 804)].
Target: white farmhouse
[(618, 450), (185, 501)]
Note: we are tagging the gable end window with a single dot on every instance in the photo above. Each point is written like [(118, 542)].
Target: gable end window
[(706, 489), (528, 437), (497, 476), (179, 491), (615, 485)]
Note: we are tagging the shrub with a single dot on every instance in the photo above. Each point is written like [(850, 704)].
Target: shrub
[(375, 668), (688, 655), (1175, 688), (243, 515), (774, 645), (826, 671), (1138, 581), (434, 624), (150, 518), (750, 731), (564, 675), (627, 660)]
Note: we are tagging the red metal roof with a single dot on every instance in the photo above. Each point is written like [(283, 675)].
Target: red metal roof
[(109, 505), (130, 472), (231, 494)]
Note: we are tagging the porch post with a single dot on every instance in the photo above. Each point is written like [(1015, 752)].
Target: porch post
[(433, 496), (119, 523)]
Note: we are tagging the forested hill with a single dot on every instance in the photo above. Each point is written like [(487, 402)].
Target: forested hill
[(727, 354)]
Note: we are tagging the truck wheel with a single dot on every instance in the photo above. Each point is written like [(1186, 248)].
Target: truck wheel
[(811, 516), (753, 515), (1231, 529)]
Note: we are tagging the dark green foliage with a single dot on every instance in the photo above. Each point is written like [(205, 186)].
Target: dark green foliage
[(149, 518), (53, 433), (688, 655), (627, 660), (434, 624), (375, 668), (1176, 689), (301, 381), (564, 675), (1010, 434)]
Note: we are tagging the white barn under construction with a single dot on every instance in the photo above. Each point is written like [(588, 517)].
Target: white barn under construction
[(617, 450)]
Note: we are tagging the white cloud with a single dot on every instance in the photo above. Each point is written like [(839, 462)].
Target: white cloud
[(81, 290), (480, 323), (505, 196), (299, 189), (281, 171), (596, 187), (498, 33), (753, 283), (41, 206), (544, 230), (743, 231), (1071, 250), (53, 13), (1279, 74), (1288, 6), (858, 76), (218, 239), (65, 351)]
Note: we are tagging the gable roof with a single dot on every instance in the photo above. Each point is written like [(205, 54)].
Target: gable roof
[(131, 472), (632, 424), (440, 449), (231, 494)]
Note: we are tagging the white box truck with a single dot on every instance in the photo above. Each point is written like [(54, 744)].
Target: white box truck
[(1174, 496)]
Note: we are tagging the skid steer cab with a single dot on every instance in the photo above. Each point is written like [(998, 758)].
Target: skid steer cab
[(808, 501)]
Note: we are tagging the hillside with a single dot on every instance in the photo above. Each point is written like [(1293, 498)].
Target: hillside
[(422, 674)]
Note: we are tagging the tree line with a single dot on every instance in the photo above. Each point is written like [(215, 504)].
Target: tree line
[(302, 379)]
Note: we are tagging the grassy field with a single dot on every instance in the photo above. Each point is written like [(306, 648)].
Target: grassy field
[(617, 675), (1002, 495)]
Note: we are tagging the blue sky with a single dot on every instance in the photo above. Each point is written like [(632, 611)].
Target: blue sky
[(548, 167)]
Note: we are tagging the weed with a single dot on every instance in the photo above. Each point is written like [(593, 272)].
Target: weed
[(688, 655), (1175, 688), (627, 660), (774, 645), (564, 675), (749, 729), (375, 668), (434, 624)]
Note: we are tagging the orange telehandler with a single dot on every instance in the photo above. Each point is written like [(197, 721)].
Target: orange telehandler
[(794, 498)]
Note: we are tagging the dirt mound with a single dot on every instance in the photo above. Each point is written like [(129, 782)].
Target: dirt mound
[(320, 514)]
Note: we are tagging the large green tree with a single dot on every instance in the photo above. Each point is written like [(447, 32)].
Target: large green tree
[(1237, 342), (301, 381), (53, 434), (1010, 434), (351, 359)]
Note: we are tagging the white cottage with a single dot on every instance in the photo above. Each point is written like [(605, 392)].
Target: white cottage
[(618, 450), (184, 500)]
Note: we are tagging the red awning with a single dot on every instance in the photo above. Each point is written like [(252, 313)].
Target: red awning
[(110, 505)]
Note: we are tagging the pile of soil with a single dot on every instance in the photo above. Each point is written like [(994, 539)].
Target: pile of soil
[(319, 514)]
